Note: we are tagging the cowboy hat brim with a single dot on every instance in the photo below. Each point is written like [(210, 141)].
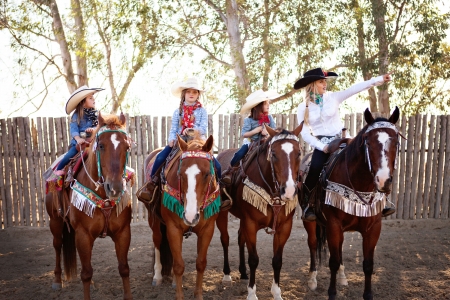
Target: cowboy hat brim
[(302, 82), (191, 83), (78, 96), (256, 98)]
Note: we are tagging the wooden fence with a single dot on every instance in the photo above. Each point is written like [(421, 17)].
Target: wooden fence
[(421, 183)]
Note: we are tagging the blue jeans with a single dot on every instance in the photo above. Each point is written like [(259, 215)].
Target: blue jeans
[(239, 155), (71, 153), (162, 156)]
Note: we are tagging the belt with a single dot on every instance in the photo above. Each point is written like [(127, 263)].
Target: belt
[(326, 139)]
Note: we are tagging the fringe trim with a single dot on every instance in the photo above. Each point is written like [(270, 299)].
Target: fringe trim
[(291, 205), (353, 208), (83, 204), (212, 209), (172, 204)]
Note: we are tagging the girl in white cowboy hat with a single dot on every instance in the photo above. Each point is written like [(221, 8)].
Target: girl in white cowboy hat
[(189, 115), (320, 113), (257, 106), (84, 119)]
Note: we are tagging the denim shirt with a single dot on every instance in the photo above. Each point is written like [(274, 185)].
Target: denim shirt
[(75, 129), (250, 124), (200, 123)]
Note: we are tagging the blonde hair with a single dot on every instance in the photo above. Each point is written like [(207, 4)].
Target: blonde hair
[(308, 89)]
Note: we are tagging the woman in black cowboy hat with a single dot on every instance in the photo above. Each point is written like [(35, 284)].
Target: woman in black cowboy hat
[(322, 123)]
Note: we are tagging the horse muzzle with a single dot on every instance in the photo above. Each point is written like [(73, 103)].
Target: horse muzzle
[(113, 189), (383, 186), (288, 193), (194, 221)]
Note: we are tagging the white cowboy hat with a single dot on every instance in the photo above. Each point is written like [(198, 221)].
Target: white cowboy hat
[(257, 97), (77, 96), (190, 83)]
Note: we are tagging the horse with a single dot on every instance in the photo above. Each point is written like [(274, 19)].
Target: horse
[(355, 183), (190, 204), (99, 206), (265, 195)]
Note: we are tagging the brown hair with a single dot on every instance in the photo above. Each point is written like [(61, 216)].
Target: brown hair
[(180, 109), (256, 111), (79, 110)]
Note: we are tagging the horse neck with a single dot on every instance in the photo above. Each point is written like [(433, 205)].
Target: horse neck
[(92, 171), (264, 165)]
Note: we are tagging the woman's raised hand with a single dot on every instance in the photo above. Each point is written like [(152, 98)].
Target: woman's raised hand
[(387, 77)]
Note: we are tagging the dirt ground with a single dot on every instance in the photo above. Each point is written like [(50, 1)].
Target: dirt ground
[(412, 261)]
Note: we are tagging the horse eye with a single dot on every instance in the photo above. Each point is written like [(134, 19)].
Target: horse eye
[(101, 147)]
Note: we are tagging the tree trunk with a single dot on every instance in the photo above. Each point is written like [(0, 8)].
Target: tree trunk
[(80, 43), (362, 55), (237, 56), (58, 30), (378, 13)]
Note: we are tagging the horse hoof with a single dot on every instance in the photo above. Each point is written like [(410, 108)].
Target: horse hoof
[(312, 285), (56, 286), (156, 282), (227, 281), (342, 281)]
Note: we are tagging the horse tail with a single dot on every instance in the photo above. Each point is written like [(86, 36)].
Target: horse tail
[(165, 253), (321, 237), (69, 252)]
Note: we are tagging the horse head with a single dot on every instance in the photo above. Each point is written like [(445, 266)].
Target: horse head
[(381, 147), (196, 177), (111, 150), (284, 156)]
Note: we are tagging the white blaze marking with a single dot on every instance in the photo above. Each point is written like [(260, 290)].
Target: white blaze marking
[(114, 140), (252, 293), (290, 184), (383, 173), (191, 195), (158, 267), (276, 291)]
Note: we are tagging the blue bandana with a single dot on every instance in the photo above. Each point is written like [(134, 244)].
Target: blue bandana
[(318, 99)]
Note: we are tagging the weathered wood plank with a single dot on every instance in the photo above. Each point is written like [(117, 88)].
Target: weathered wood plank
[(24, 172), (149, 134), (225, 131), (221, 134), (132, 164), (415, 168), (51, 131), (446, 189), (15, 171), (155, 133), (440, 173), (421, 170), (427, 179), (409, 163), (237, 130), (65, 133), (230, 130), (59, 136), (139, 165), (401, 178), (163, 130), (434, 168), (292, 123), (31, 165), (8, 156), (40, 148)]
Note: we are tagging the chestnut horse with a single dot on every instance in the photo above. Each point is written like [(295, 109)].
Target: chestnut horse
[(354, 197), (99, 206), (190, 204), (269, 183)]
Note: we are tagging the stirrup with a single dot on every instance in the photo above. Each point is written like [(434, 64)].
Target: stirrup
[(308, 214), (387, 211)]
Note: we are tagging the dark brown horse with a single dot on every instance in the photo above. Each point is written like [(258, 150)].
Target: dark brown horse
[(97, 205), (190, 204), (354, 197), (272, 176)]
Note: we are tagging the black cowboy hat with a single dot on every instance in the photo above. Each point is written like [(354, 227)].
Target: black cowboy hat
[(313, 75)]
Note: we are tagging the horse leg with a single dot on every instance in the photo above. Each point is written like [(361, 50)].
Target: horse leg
[(241, 243), (310, 228), (222, 225), (56, 228), (157, 238), (341, 278), (85, 242), (370, 239), (175, 237), (335, 236), (249, 231), (203, 240), (122, 244), (279, 240)]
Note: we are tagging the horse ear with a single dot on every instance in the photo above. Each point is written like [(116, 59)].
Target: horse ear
[(395, 115), (182, 143), (122, 118), (270, 131), (299, 129), (208, 144), (101, 121), (368, 116)]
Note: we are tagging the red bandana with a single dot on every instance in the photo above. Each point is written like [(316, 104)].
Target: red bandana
[(188, 115), (263, 118)]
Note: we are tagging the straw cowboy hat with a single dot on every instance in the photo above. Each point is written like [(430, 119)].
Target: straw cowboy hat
[(77, 96), (190, 83), (257, 97), (313, 75)]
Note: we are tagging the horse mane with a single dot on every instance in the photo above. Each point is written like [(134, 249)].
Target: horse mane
[(195, 142), (355, 144), (279, 131)]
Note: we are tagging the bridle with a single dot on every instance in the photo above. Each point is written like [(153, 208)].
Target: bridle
[(102, 130), (285, 136)]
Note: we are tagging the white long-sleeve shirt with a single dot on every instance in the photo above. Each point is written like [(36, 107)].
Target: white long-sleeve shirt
[(329, 123)]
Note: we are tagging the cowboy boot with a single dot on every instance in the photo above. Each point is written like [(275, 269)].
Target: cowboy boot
[(146, 192), (387, 211), (308, 214), (227, 175)]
